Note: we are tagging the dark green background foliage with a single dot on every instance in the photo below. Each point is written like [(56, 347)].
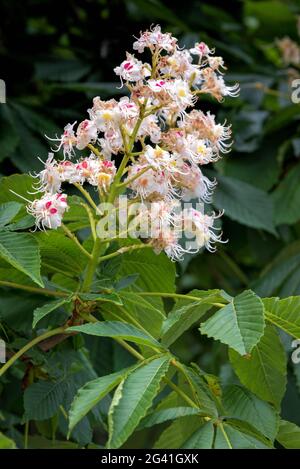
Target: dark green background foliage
[(55, 56)]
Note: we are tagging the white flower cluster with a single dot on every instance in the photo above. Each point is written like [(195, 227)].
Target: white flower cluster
[(162, 144)]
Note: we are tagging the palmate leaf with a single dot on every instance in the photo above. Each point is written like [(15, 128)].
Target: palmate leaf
[(241, 404), (42, 399), (284, 313), (202, 438), (41, 312), (133, 398), (91, 394), (264, 372), (186, 312), (21, 250), (117, 329), (288, 435), (240, 324)]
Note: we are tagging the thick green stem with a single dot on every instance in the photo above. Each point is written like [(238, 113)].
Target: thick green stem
[(32, 343), (92, 265)]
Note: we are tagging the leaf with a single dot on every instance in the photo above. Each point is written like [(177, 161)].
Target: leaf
[(164, 415), (281, 276), (176, 434), (22, 184), (284, 313), (156, 272), (59, 253), (234, 436), (42, 399), (243, 405), (264, 372), (244, 203), (149, 315), (186, 312), (240, 324), (21, 250), (288, 435), (6, 443), (103, 297), (259, 168), (133, 398), (286, 198), (119, 330), (202, 438), (41, 312), (8, 211), (198, 389), (89, 395)]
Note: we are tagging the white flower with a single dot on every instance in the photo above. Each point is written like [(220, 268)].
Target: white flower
[(193, 183), (67, 141), (49, 210), (201, 226), (201, 49), (160, 159), (155, 39), (86, 133), (180, 92), (131, 69), (151, 185)]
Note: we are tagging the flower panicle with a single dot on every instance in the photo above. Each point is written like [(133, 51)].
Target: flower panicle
[(163, 137)]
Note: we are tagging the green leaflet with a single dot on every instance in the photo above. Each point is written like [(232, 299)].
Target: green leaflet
[(241, 404), (117, 329), (264, 372), (234, 435), (164, 415), (90, 394), (8, 211), (284, 313), (21, 250), (288, 435), (186, 312), (133, 398), (42, 399), (245, 203), (240, 324), (6, 443), (202, 438), (46, 309)]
